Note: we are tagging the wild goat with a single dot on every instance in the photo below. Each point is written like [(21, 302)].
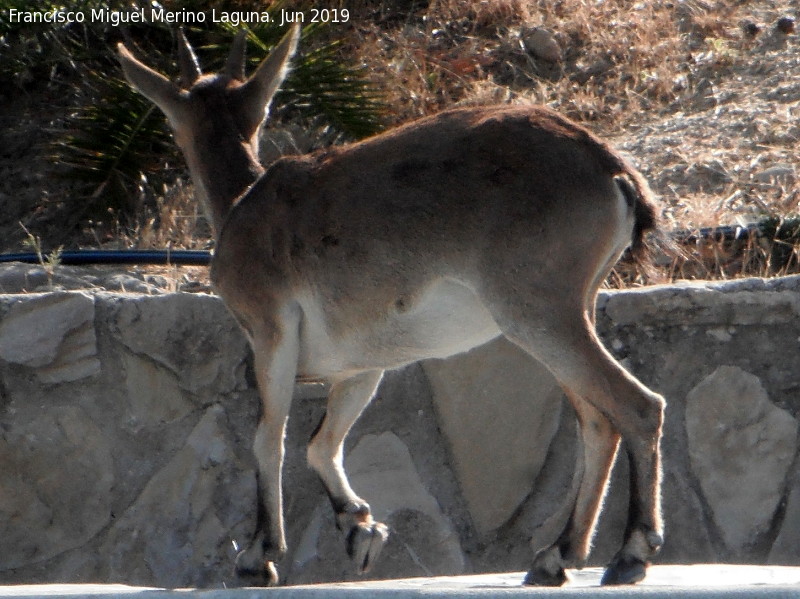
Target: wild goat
[(422, 242)]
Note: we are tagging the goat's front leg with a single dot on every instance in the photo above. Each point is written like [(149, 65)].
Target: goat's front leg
[(275, 350), (347, 399)]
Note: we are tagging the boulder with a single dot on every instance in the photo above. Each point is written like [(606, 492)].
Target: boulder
[(499, 410), (741, 447), (52, 333), (56, 482)]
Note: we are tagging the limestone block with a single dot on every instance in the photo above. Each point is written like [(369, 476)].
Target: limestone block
[(747, 302), (786, 548), (154, 396), (381, 468), (191, 335), (178, 529), (499, 410), (53, 333), (45, 508), (741, 447)]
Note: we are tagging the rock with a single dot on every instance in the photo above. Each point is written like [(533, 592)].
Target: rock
[(755, 302), (741, 447), (750, 28), (599, 68), (786, 546), (55, 483), (381, 468), (541, 43), (704, 96), (155, 397), (54, 334), (179, 526), (778, 174), (165, 329), (708, 176), (689, 539), (126, 283), (785, 25), (143, 472), (16, 277), (499, 409)]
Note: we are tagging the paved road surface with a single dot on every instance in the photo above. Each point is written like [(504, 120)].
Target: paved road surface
[(697, 581)]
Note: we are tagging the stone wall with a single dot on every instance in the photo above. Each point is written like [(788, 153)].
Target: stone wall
[(126, 420)]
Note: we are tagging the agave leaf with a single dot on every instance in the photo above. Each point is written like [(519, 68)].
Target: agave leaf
[(112, 141), (321, 86)]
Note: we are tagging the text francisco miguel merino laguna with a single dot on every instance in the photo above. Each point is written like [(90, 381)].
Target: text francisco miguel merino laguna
[(157, 14)]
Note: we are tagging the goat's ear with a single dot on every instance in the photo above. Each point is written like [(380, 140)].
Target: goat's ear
[(151, 84), (257, 92)]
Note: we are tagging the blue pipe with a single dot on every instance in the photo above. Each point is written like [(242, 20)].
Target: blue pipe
[(722, 233), (82, 257), (203, 257)]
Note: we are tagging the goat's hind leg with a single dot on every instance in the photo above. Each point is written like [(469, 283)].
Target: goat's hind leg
[(347, 399), (571, 549), (584, 368), (644, 532), (275, 351), (637, 414)]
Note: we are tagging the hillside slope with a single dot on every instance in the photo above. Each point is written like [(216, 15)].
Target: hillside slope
[(704, 96)]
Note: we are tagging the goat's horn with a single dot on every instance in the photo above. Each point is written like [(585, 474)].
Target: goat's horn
[(234, 67), (190, 67)]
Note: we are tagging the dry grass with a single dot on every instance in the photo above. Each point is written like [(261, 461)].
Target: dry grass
[(175, 221), (619, 57)]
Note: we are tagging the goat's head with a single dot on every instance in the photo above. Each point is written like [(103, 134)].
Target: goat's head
[(216, 118), (187, 102)]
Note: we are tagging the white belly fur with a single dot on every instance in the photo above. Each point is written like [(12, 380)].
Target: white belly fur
[(446, 319)]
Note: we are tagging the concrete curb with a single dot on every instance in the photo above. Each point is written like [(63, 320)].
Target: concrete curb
[(704, 581)]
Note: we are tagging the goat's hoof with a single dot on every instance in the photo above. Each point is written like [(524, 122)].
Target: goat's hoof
[(547, 569), (624, 569), (540, 577), (629, 566), (255, 572), (364, 543)]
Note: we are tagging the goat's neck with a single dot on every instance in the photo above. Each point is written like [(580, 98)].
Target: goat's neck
[(221, 173)]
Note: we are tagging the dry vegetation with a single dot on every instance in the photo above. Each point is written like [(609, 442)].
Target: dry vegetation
[(704, 95)]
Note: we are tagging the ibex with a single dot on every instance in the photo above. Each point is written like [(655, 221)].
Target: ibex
[(421, 242)]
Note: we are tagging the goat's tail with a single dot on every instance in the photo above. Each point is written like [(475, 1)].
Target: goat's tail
[(639, 197), (648, 242)]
